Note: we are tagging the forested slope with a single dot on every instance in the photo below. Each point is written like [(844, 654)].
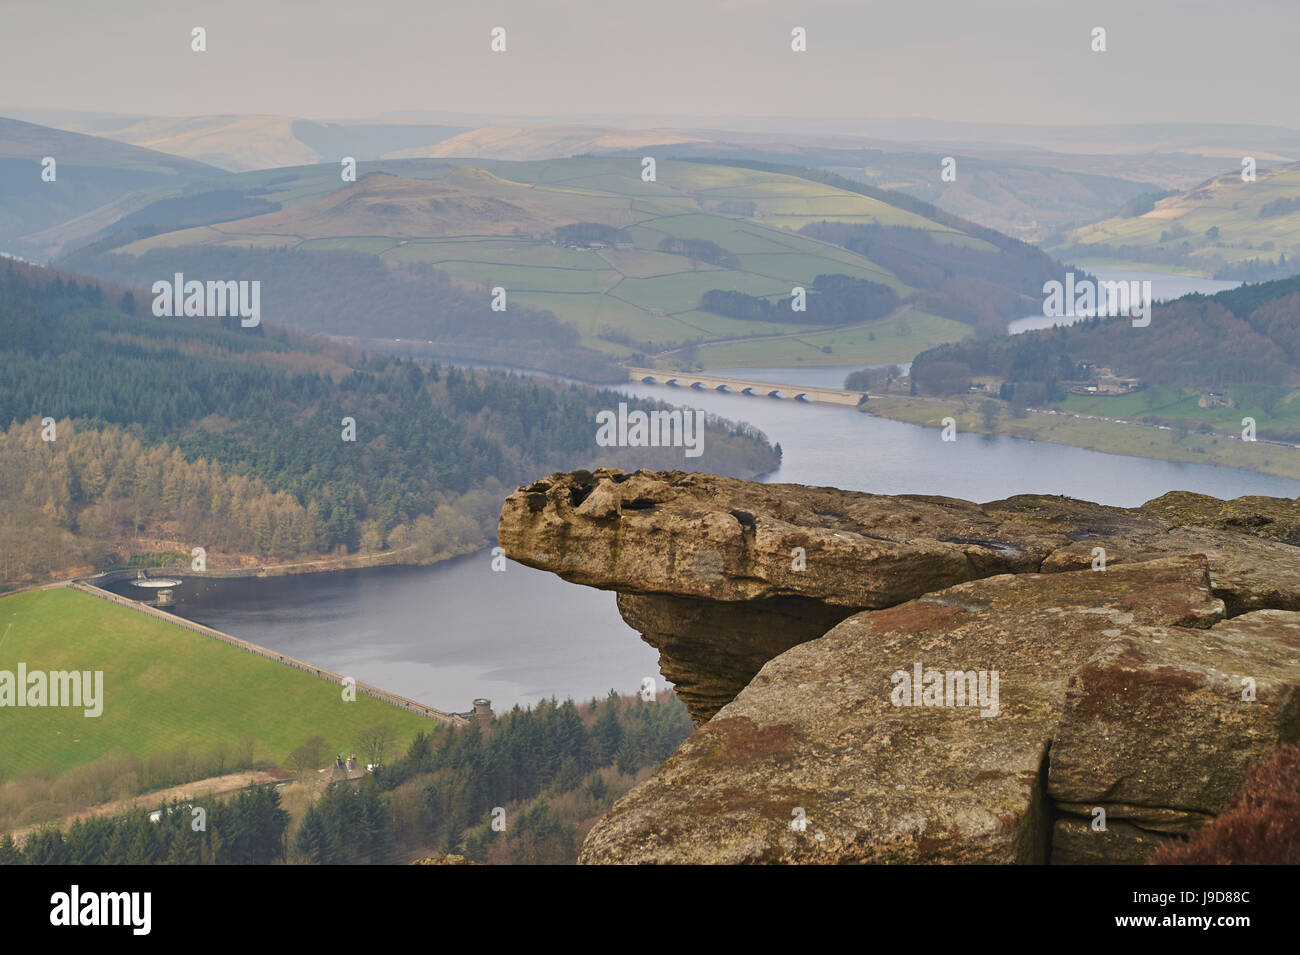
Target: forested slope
[(172, 433)]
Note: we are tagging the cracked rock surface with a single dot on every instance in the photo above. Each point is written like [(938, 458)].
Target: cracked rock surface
[(912, 679)]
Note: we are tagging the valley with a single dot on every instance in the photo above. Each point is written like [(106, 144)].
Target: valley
[(711, 434)]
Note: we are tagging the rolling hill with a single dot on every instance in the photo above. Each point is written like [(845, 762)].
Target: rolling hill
[(90, 172), (1223, 227), (1204, 363), (237, 143), (700, 227), (1029, 192), (544, 141)]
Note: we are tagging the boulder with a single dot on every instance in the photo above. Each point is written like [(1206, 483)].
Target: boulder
[(1075, 842), (1161, 726), (911, 679), (836, 753)]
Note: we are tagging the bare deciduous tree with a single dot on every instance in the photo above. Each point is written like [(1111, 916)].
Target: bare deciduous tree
[(373, 741)]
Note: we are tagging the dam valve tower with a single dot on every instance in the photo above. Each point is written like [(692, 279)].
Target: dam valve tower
[(163, 588)]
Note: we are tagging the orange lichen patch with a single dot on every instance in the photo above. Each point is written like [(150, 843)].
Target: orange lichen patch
[(741, 740), (936, 847), (914, 617), (1113, 692), (777, 804)]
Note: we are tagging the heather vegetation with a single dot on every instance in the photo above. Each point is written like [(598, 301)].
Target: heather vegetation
[(1261, 826)]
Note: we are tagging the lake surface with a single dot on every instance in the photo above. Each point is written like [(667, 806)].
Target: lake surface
[(1164, 287), (443, 635), (449, 633), (841, 447)]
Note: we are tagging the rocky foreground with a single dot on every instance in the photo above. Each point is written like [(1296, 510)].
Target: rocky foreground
[(923, 679)]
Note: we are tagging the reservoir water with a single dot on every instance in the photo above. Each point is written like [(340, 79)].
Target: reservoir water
[(446, 634), (1165, 286)]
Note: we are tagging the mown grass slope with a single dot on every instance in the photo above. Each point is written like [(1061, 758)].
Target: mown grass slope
[(165, 688)]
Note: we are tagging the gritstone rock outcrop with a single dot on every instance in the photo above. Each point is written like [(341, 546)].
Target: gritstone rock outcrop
[(787, 617)]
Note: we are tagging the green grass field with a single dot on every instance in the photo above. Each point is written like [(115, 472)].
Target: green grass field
[(1173, 403), (1143, 442), (1224, 203), (165, 688), (638, 294), (878, 343)]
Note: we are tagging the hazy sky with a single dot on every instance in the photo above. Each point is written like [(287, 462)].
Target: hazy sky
[(978, 60)]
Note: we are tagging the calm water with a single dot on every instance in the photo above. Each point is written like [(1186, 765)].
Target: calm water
[(455, 631), (840, 447), (443, 635), (1164, 286)]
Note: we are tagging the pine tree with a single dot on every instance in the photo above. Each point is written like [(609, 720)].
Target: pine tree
[(312, 841), (608, 733), (10, 854), (45, 847), (142, 848)]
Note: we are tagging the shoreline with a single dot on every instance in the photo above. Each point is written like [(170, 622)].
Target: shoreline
[(1087, 434), (1107, 437), (339, 679), (329, 565)]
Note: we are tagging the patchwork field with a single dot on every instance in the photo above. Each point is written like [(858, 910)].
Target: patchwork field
[(492, 223), (165, 687), (1223, 220)]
